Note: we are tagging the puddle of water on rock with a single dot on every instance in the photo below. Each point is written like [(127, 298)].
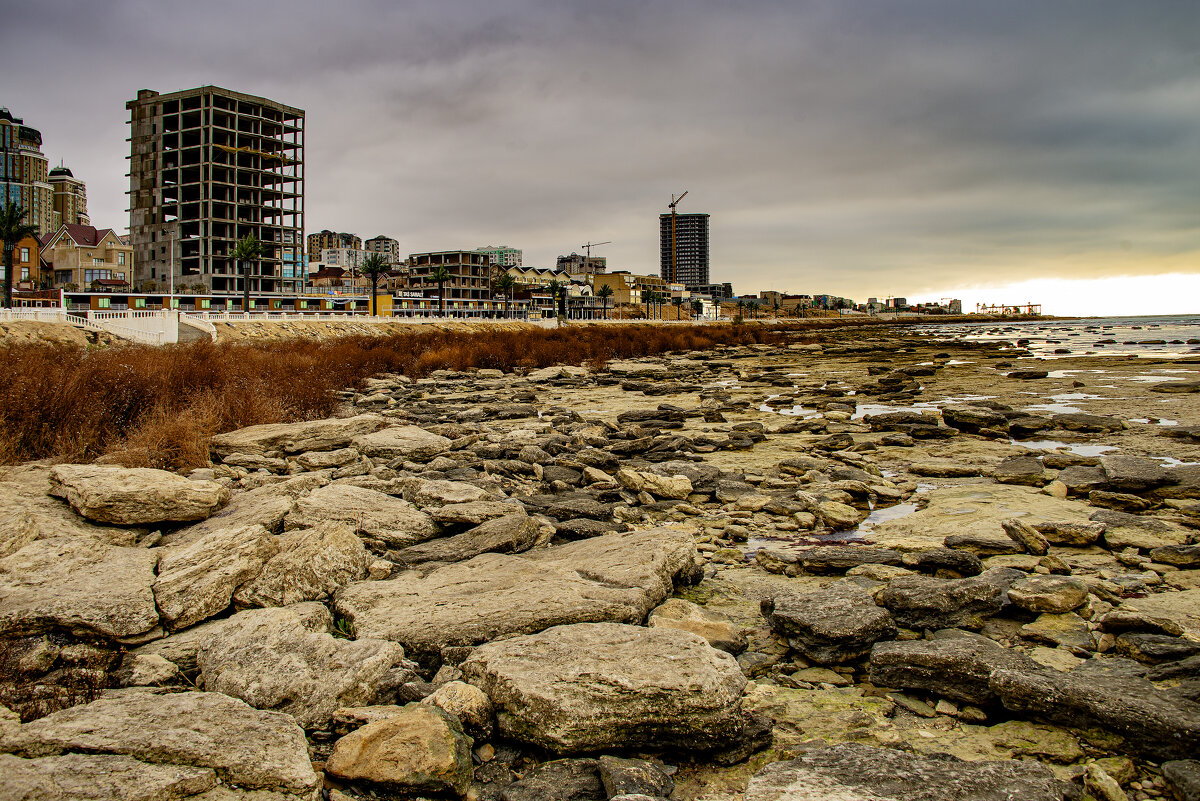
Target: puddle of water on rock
[(1057, 408), (1069, 373), (863, 409), (1160, 422), (957, 362), (1171, 461), (1153, 379), (1053, 444), (1074, 396), (887, 513)]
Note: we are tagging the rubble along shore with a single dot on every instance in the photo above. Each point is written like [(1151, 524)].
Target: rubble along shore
[(881, 564)]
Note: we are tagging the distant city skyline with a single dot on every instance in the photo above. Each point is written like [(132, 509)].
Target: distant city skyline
[(928, 149)]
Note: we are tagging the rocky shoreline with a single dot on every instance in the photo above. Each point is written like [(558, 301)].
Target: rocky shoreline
[(867, 564)]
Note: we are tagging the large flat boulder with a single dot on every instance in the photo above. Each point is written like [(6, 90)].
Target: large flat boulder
[(197, 580), (182, 648), (1155, 724), (271, 661), (510, 534), (617, 577), (78, 585), (410, 443), (831, 625), (310, 564), (975, 509), (265, 506), (28, 513), (99, 777), (312, 435), (421, 749), (855, 772), (134, 496), (924, 602), (247, 748), (388, 522), (956, 667), (604, 686)]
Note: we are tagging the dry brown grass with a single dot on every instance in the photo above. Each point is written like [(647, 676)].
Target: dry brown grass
[(147, 406)]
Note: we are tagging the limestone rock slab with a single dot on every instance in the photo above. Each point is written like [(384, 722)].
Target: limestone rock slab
[(311, 563), (510, 534), (312, 435), (270, 662), (391, 521), (402, 442), (600, 686), (420, 749), (80, 585), (615, 577), (721, 632), (196, 581), (133, 496), (855, 772), (831, 625), (99, 777), (246, 747)]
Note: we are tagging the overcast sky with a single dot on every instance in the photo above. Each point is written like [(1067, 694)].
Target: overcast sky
[(859, 147)]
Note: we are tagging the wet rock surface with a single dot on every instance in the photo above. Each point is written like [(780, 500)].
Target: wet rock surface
[(672, 571)]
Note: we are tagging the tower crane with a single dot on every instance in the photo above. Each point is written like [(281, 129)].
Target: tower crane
[(589, 245), (674, 254)]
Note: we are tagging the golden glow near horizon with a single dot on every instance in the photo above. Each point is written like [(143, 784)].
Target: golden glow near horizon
[(1125, 295)]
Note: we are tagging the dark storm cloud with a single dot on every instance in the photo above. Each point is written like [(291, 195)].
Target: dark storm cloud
[(855, 147)]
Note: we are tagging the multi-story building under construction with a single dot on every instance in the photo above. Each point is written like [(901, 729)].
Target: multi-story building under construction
[(691, 249), (209, 166)]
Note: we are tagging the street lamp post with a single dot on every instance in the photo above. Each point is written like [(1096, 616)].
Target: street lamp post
[(171, 292)]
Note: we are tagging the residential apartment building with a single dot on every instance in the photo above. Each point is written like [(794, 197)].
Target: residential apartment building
[(325, 239), (630, 288), (24, 172), (81, 256), (469, 286), (691, 248), (503, 255), (384, 245), (209, 166), (27, 264), (70, 198)]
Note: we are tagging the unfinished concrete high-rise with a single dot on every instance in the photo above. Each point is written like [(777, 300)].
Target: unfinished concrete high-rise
[(690, 249), (209, 166)]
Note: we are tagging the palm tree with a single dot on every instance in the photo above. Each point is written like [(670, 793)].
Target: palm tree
[(697, 308), (554, 286), (12, 230), (605, 292), (741, 307), (440, 275), (678, 307), (374, 267), (505, 283), (248, 249)]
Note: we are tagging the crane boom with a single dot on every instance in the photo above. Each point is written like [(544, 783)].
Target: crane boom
[(674, 271), (589, 245)]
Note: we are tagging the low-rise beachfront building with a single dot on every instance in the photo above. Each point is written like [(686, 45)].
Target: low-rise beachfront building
[(82, 256)]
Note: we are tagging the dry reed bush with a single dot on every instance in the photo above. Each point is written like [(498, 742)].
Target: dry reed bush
[(146, 406)]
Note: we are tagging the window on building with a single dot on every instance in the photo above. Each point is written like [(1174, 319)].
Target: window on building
[(104, 303), (25, 254), (97, 261), (24, 273), (95, 275), (121, 259), (139, 303)]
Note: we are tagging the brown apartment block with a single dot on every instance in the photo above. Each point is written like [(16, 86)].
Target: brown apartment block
[(207, 167), (469, 285)]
